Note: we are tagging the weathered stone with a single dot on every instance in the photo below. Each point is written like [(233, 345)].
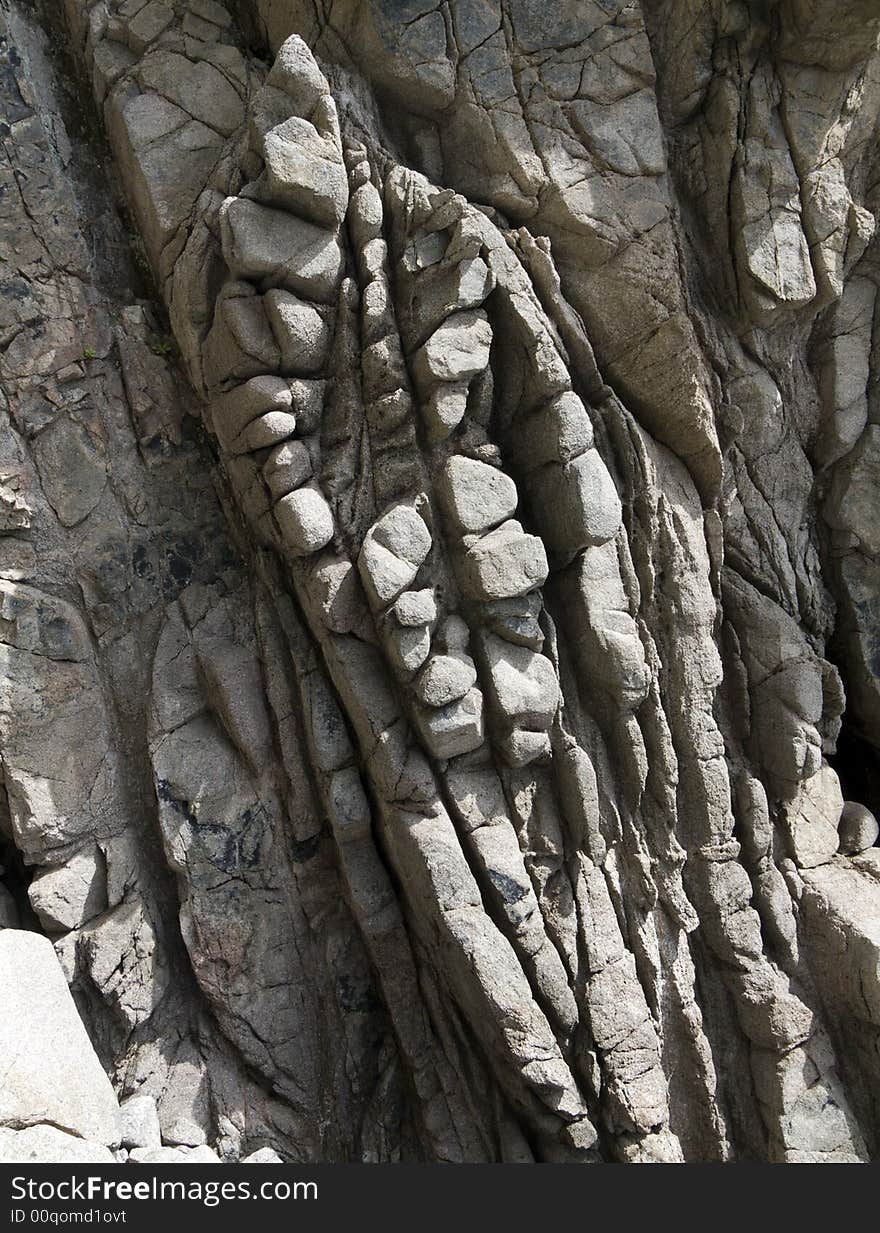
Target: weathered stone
[(241, 343), (72, 473), (444, 408), (455, 729), (403, 532), (383, 368), (459, 349), (173, 1155), (453, 636), (50, 1145), (578, 502), (516, 620), (365, 213), (475, 496), (339, 592), (385, 576), (812, 818), (65, 897), (409, 648), (652, 898), (558, 433), (524, 688), (392, 553), (268, 430), (51, 1071), (199, 89), (857, 828), (851, 505), (304, 172), (232, 412), (167, 155), (505, 563), (119, 952), (302, 333), (140, 1122), (211, 11), (305, 519), (264, 244), (444, 679), (295, 72), (522, 746), (148, 24), (233, 683), (287, 468), (59, 769), (416, 607), (442, 291)]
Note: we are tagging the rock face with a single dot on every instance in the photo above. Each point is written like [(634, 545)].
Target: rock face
[(439, 580), (51, 1073)]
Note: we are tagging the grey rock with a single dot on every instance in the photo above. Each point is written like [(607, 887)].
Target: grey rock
[(459, 349), (857, 827), (416, 608), (522, 746), (524, 687), (305, 519), (72, 472), (199, 89), (580, 504), (608, 271), (295, 72), (850, 505), (287, 468), (454, 729), (393, 551), (516, 620), (119, 951), (51, 1071), (265, 432), (234, 411), (812, 818), (504, 563), (241, 342), (140, 1123), (168, 155), (338, 590), (261, 243), (476, 497), (148, 23), (444, 679), (66, 897), (559, 432), (443, 409), (402, 531), (385, 576), (173, 1155), (304, 172), (46, 1144), (408, 648), (302, 333)]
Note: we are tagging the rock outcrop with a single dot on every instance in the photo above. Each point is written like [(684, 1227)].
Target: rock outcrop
[(439, 578)]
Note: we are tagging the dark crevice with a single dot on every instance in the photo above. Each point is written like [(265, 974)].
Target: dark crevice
[(857, 763)]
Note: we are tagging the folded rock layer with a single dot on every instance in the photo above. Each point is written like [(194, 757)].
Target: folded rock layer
[(439, 692)]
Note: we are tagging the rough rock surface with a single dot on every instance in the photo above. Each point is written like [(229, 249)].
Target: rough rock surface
[(51, 1073), (440, 579)]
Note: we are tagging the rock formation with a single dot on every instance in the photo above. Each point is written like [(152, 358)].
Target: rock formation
[(440, 572)]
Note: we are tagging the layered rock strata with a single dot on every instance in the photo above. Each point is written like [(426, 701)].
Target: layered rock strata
[(439, 675)]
